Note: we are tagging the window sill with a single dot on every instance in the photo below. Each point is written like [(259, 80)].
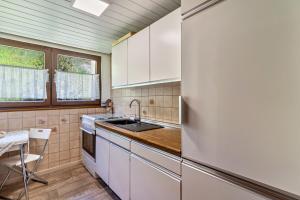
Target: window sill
[(48, 108)]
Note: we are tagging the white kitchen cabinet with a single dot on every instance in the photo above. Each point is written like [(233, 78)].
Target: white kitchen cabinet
[(148, 181), (166, 160), (119, 171), (165, 48), (102, 158), (188, 5), (139, 57), (198, 184), (119, 64)]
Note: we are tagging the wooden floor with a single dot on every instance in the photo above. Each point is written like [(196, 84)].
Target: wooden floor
[(69, 183)]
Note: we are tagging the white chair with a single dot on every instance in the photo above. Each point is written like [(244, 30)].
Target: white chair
[(14, 163)]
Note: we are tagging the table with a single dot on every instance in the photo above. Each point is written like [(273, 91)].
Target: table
[(19, 140)]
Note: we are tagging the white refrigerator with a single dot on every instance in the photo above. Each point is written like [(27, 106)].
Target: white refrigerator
[(241, 99)]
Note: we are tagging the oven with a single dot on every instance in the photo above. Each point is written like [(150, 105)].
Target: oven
[(89, 141)]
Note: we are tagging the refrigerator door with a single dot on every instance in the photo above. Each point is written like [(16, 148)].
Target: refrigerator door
[(241, 90), (198, 184)]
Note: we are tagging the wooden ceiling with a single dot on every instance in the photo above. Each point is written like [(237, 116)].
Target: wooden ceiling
[(56, 21)]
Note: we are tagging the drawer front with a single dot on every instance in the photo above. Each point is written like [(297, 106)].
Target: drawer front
[(120, 140), (163, 159), (103, 133)]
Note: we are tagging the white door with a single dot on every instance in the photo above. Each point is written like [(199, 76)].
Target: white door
[(119, 64), (119, 171), (199, 185), (149, 182), (102, 158), (240, 85), (139, 57), (165, 47)]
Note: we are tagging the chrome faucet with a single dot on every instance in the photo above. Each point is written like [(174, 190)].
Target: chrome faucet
[(139, 104)]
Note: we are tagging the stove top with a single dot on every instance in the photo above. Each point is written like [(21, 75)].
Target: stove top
[(100, 117)]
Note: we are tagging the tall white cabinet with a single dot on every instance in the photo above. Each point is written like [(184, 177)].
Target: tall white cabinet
[(119, 64), (139, 57), (165, 47)]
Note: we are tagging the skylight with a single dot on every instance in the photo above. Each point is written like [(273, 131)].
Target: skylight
[(95, 7)]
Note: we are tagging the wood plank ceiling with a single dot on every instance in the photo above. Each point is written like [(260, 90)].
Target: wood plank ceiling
[(56, 21)]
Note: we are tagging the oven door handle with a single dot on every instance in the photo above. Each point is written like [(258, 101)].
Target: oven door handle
[(89, 132)]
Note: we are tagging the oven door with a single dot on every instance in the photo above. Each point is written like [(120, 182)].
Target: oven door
[(89, 141)]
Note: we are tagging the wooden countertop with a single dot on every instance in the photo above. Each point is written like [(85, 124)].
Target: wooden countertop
[(166, 139)]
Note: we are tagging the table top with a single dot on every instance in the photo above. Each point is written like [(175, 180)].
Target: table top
[(15, 137)]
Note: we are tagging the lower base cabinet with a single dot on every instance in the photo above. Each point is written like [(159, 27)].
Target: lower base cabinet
[(102, 158), (119, 164), (200, 185), (149, 181)]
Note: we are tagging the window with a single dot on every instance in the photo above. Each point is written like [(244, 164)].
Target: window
[(33, 75), (23, 74), (76, 78)]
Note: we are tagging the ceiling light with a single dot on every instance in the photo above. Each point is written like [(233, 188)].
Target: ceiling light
[(95, 7)]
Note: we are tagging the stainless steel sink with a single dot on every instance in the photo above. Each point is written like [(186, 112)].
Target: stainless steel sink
[(122, 121), (133, 125)]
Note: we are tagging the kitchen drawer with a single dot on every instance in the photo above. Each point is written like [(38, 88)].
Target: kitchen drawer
[(120, 140), (166, 160), (103, 133)]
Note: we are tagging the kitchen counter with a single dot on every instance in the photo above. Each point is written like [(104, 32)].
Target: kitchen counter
[(166, 139)]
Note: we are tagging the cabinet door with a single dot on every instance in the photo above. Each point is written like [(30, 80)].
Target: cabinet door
[(165, 48), (197, 184), (149, 182), (138, 57), (119, 64), (102, 158), (119, 171)]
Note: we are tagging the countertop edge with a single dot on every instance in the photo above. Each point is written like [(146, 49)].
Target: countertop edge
[(120, 131)]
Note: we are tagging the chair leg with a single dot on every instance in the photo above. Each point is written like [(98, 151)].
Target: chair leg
[(5, 179), (38, 179)]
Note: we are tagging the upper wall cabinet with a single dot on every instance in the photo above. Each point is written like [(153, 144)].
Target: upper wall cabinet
[(165, 48), (138, 57), (119, 64), (151, 56)]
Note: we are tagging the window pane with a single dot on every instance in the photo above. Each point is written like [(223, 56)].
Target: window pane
[(22, 75), (76, 64), (76, 79), (19, 57), (77, 87)]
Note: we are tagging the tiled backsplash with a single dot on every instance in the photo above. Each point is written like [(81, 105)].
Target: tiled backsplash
[(158, 102), (64, 144)]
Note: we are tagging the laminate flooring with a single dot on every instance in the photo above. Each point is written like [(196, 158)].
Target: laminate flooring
[(69, 183)]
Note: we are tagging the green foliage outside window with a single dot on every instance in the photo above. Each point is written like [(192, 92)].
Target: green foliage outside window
[(18, 57), (75, 64)]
